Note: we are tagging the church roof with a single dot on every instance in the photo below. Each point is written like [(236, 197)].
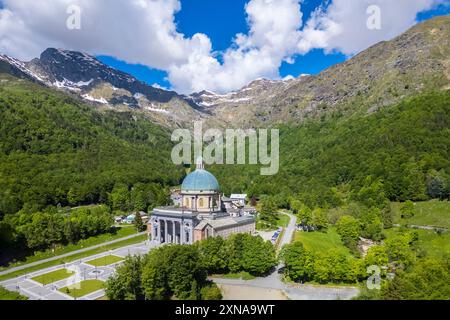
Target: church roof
[(225, 223), (200, 180)]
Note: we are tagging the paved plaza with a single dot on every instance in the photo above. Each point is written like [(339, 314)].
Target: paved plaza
[(82, 271)]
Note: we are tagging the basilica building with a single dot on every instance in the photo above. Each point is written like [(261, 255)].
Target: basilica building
[(201, 212)]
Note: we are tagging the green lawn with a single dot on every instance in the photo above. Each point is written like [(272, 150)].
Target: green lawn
[(435, 245), (428, 213), (104, 261), (92, 252), (320, 242), (241, 275), (283, 220), (10, 295), (83, 288), (121, 232), (53, 276)]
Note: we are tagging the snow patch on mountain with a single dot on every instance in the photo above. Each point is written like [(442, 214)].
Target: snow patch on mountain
[(72, 86), (92, 99), (155, 109), (21, 66)]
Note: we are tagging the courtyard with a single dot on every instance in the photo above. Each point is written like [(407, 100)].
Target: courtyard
[(79, 280)]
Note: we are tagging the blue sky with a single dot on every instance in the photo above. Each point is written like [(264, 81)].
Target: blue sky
[(221, 20)]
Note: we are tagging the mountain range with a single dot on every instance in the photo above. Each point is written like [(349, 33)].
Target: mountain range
[(382, 75), (73, 129)]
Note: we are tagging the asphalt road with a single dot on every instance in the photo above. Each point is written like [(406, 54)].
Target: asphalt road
[(289, 231)]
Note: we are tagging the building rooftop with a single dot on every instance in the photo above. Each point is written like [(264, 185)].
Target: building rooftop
[(180, 211), (200, 180), (238, 196), (225, 222)]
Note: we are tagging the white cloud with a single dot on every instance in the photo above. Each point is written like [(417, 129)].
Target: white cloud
[(342, 26), (157, 85), (288, 78), (272, 38), (137, 31), (144, 32)]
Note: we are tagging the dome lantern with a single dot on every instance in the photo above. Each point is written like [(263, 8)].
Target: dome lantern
[(199, 164)]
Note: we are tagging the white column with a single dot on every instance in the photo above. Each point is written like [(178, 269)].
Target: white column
[(166, 233), (153, 230), (184, 236), (160, 230), (174, 237), (181, 232)]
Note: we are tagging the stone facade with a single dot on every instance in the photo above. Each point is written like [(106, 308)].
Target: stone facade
[(202, 213)]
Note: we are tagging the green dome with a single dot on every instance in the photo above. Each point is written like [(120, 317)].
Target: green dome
[(200, 180)]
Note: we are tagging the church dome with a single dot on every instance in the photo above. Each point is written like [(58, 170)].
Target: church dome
[(200, 180)]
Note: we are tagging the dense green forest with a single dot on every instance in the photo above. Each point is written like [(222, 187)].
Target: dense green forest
[(404, 149), (336, 171), (55, 150), (41, 230)]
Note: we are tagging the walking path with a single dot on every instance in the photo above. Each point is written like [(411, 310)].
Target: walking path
[(26, 286), (289, 231), (25, 266), (432, 228)]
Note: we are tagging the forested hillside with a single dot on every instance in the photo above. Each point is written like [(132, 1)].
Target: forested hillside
[(402, 151), (56, 150)]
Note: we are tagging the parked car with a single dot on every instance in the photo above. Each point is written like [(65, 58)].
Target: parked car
[(304, 228)]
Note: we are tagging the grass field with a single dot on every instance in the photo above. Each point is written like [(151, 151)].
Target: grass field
[(283, 220), (241, 275), (53, 276), (92, 252), (435, 245), (428, 213), (83, 288), (320, 242), (104, 261), (10, 295)]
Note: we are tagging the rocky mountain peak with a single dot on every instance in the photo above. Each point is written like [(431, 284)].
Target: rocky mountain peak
[(379, 76)]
